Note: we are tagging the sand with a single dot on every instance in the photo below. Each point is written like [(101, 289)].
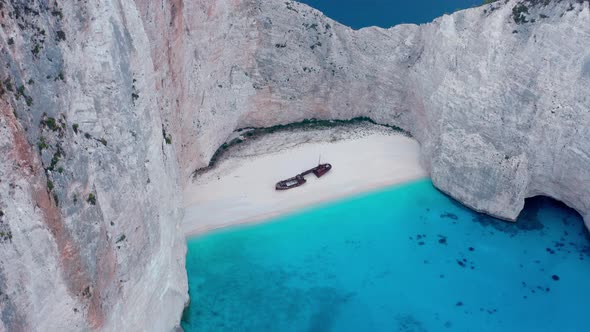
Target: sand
[(240, 188)]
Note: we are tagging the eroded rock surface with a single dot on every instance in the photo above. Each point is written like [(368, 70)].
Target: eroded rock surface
[(497, 95), (107, 107), (89, 189)]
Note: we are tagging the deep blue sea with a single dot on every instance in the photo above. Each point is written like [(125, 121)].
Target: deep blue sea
[(407, 258), (386, 13)]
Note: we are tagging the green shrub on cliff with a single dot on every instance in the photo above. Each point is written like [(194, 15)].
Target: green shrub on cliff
[(91, 199), (42, 144), (50, 123), (519, 13)]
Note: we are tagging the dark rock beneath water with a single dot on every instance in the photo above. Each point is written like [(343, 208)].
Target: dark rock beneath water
[(449, 216), (409, 323)]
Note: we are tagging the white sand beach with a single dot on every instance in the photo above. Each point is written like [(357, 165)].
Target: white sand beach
[(240, 188)]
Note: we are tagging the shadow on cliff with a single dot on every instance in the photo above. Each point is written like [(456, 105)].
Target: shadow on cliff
[(252, 133)]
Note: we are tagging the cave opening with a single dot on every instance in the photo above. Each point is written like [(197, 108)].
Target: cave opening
[(539, 214), (536, 208)]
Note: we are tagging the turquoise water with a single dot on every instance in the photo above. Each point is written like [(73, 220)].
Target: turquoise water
[(386, 13), (407, 258)]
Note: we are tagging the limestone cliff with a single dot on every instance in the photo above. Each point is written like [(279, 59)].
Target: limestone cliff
[(89, 187), (497, 95), (107, 106)]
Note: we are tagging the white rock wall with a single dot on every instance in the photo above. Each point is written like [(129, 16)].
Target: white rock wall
[(94, 214), (501, 109)]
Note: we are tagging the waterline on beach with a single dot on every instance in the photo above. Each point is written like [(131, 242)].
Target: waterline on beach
[(241, 188)]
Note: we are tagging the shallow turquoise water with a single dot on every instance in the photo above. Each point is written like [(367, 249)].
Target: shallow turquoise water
[(387, 13), (407, 258)]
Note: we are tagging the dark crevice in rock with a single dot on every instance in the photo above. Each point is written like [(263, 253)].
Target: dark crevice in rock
[(307, 124)]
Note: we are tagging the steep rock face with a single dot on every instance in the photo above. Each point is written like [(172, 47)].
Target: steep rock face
[(497, 95), (510, 108), (89, 189), (261, 63), (108, 106)]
